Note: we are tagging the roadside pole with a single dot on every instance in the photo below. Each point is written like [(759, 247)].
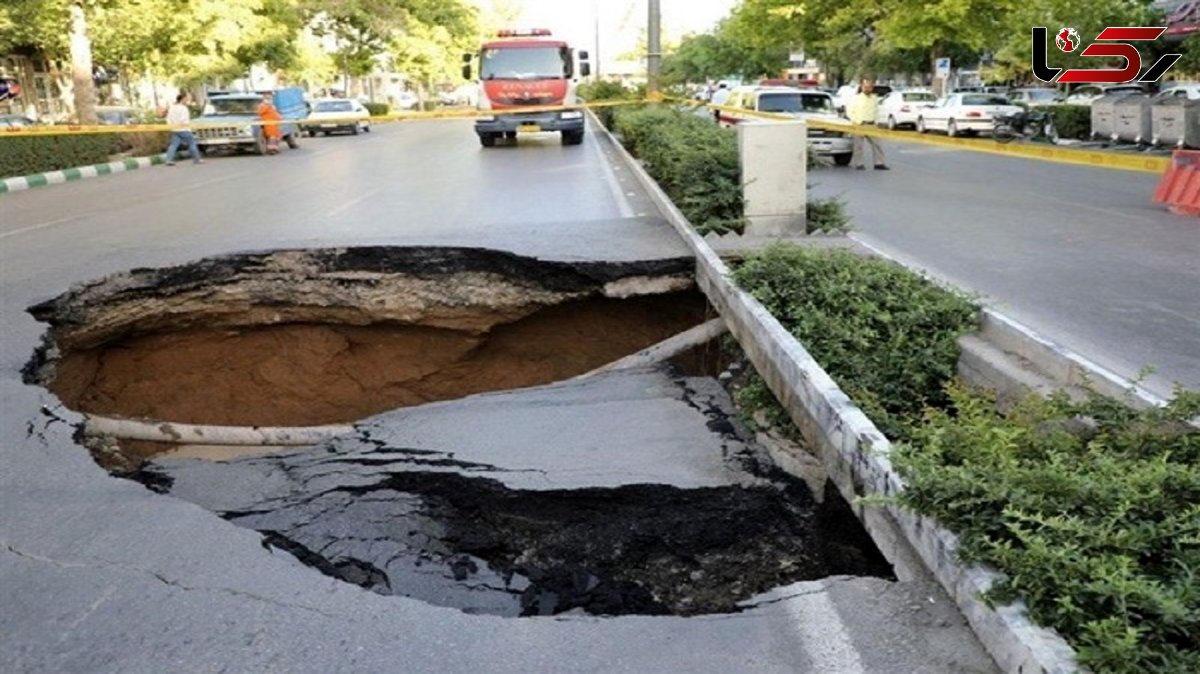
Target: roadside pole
[(654, 49)]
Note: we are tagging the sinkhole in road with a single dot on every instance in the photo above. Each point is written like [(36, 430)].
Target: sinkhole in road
[(317, 336)]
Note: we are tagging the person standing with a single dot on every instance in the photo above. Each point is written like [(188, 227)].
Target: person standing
[(271, 118), (719, 97), (863, 109), (179, 117)]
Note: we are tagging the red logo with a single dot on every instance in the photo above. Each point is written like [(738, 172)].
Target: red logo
[(1111, 42)]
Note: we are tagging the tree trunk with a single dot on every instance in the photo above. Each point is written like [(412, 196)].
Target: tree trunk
[(81, 66), (939, 84)]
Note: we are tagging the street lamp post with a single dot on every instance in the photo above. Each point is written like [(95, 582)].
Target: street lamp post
[(654, 44)]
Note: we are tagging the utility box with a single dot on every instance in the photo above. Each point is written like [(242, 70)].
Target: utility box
[(1104, 115), (774, 161), (1176, 122), (1132, 123)]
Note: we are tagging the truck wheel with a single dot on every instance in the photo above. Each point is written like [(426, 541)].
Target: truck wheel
[(487, 140), (572, 137), (842, 159), (292, 140), (260, 146)]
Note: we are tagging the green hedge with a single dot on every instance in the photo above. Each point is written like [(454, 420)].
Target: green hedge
[(1091, 510), (592, 92), (38, 154), (886, 335), (1072, 121), (694, 161), (376, 109)]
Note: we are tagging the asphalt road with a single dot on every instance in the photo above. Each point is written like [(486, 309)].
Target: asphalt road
[(100, 574), (1082, 255)]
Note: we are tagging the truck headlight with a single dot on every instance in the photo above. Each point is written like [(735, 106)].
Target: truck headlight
[(572, 114), (246, 131)]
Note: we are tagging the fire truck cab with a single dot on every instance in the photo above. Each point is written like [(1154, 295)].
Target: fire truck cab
[(527, 69)]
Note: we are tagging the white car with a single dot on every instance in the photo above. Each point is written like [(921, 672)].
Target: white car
[(1189, 91), (901, 108), (1036, 96), (957, 114), (1088, 93), (407, 100), (331, 115), (811, 104)]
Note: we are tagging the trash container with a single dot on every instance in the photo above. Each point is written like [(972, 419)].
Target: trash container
[(1132, 119), (1104, 115), (1175, 121)]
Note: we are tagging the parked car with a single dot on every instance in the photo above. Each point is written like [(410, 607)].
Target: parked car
[(407, 100), (957, 114), (228, 121), (808, 104), (330, 115), (16, 121), (1187, 90), (901, 108), (116, 115), (1088, 93), (1036, 96), (996, 89)]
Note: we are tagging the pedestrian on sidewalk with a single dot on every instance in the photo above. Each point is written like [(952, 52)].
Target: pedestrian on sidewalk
[(271, 118), (863, 110), (179, 117), (719, 97)]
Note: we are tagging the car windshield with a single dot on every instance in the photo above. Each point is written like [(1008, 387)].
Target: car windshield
[(918, 97), (235, 106), (525, 63), (1041, 94), (334, 106), (984, 99), (795, 103)]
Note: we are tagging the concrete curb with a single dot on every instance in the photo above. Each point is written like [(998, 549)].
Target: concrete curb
[(855, 454), (79, 173)]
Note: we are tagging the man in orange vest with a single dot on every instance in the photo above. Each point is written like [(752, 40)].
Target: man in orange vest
[(271, 118)]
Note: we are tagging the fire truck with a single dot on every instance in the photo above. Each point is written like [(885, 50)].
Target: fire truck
[(526, 69)]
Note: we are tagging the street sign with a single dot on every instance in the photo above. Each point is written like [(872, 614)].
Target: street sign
[(943, 67)]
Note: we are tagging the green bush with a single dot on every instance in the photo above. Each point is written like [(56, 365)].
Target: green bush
[(694, 161), (37, 154), (593, 92), (376, 109), (886, 335), (1091, 510), (827, 216), (144, 144), (1072, 121)]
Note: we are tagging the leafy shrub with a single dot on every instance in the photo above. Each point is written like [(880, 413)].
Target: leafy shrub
[(694, 161), (593, 92), (376, 109), (25, 155), (1072, 121), (888, 336), (1091, 509), (144, 144), (827, 216)]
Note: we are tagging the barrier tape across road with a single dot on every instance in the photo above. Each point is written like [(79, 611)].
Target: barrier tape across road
[(1042, 152)]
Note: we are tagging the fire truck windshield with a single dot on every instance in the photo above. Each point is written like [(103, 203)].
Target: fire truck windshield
[(526, 63)]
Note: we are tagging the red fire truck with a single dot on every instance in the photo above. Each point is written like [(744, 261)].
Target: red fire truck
[(522, 69)]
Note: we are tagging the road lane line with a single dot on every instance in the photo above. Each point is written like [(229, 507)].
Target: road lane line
[(38, 226), (610, 176), (824, 635), (353, 202)]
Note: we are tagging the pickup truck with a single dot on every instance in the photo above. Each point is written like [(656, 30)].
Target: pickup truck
[(228, 121)]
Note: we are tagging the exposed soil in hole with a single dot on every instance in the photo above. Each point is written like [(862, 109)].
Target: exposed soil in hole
[(306, 374)]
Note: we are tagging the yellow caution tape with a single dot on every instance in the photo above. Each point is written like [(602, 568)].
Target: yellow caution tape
[(1042, 152), (459, 113)]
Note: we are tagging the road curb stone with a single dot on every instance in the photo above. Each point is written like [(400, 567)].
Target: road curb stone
[(21, 183)]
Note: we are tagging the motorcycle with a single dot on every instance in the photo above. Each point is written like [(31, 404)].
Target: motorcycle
[(1028, 125)]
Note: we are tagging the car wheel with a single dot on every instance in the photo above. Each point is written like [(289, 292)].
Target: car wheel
[(292, 140), (366, 128), (921, 125), (842, 159), (891, 124), (951, 129), (312, 134), (572, 137), (354, 130), (487, 140)]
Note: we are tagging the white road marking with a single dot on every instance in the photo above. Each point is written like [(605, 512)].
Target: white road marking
[(824, 635), (38, 226), (353, 202), (610, 177)]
